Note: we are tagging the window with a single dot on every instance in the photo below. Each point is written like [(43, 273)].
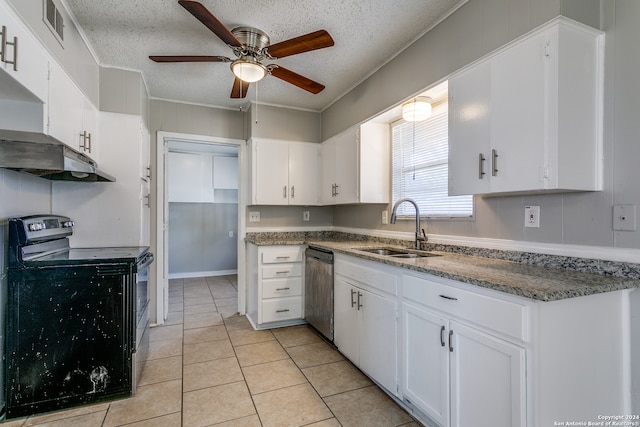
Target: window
[(420, 167)]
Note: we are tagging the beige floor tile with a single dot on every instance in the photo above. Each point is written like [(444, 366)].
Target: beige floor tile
[(150, 401), (198, 300), (223, 291), (58, 415), (201, 308), (174, 307), (17, 422), (202, 292), (171, 420), (203, 352), (217, 404), (226, 302), (228, 311), (252, 354), (314, 354), (272, 376), (221, 280), (334, 378), (250, 421), (249, 336), (211, 333), (212, 373), (411, 424), (367, 406), (160, 370), (233, 323), (166, 348), (174, 318), (331, 422), (169, 332), (296, 335), (292, 406), (93, 419), (202, 320)]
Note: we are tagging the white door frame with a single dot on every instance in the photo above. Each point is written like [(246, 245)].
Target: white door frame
[(162, 216)]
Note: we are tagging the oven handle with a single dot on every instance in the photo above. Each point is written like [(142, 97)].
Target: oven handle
[(146, 261)]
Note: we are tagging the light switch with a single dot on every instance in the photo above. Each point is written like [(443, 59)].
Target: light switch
[(624, 217)]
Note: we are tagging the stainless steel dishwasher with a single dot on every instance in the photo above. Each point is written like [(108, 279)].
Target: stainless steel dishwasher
[(318, 290)]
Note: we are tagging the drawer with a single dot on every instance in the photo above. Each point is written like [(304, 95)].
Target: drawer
[(282, 254), (369, 274), (276, 288), (272, 271), (503, 316), (275, 310)]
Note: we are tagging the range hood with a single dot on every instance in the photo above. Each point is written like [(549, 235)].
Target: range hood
[(49, 159)]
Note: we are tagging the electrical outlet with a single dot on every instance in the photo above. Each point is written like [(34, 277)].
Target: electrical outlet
[(254, 216), (230, 233), (624, 217), (305, 215), (532, 216), (385, 217)]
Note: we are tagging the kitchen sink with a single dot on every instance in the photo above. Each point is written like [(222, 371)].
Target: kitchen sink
[(395, 253)]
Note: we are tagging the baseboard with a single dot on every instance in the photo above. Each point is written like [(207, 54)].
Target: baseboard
[(192, 274)]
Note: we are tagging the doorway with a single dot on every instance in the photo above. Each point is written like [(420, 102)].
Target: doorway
[(189, 199)]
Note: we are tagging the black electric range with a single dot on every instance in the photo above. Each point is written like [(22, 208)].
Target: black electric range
[(76, 318)]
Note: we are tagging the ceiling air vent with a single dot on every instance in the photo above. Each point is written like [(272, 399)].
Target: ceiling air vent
[(54, 19)]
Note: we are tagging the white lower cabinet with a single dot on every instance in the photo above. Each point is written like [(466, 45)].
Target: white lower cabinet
[(366, 329), (274, 285)]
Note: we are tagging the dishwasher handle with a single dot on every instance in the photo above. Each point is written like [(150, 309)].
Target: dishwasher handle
[(320, 255)]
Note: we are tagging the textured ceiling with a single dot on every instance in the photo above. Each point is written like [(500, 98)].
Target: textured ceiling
[(367, 34)]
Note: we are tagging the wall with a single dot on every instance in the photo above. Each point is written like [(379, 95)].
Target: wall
[(474, 30), (267, 121)]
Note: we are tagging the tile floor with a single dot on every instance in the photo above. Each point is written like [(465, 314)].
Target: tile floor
[(208, 367)]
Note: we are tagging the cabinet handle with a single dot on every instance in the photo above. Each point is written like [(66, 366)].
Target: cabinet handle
[(442, 336), (293, 188), (336, 191), (5, 43), (494, 162), (449, 298), (283, 257), (284, 192), (147, 203), (481, 160), (333, 190), (283, 310), (86, 141), (283, 272), (352, 301), (451, 340), (282, 289), (359, 305), (149, 172)]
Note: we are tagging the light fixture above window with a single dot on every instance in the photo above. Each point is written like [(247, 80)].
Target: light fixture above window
[(417, 109), (248, 69)]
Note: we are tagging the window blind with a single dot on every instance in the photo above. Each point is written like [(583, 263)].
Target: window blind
[(420, 167)]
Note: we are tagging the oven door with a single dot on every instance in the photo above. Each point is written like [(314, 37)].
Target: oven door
[(141, 345)]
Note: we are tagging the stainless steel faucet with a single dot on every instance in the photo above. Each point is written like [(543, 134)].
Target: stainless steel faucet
[(419, 237)]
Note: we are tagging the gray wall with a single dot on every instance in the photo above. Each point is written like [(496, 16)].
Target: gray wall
[(123, 91), (475, 29), (206, 247), (267, 121)]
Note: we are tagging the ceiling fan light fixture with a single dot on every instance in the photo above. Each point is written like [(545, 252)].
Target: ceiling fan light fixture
[(248, 69), (417, 109)]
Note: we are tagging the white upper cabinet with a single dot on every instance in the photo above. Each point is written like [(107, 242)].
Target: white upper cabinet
[(190, 178), (528, 118), (356, 166), (23, 59), (284, 172)]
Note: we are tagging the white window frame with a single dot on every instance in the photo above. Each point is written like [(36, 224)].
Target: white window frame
[(424, 159)]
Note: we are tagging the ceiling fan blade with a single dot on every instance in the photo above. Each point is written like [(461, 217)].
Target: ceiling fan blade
[(239, 89), (312, 41), (211, 22), (188, 58), (296, 79)]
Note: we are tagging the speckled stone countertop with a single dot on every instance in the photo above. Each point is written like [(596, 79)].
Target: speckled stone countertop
[(535, 276)]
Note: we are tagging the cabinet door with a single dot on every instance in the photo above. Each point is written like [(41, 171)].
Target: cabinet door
[(328, 172), (89, 140), (345, 319), (487, 380), (31, 68), (469, 131), (518, 115), (271, 173), (378, 338), (66, 104), (304, 168), (346, 177), (426, 362)]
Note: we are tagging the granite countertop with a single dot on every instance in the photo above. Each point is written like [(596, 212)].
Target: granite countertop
[(537, 282)]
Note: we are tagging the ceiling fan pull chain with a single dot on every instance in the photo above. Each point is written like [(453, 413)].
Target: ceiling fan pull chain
[(256, 102)]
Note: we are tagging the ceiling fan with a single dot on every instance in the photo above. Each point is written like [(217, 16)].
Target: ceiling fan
[(251, 46)]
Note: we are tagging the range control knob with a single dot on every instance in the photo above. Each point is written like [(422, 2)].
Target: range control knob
[(36, 226), (67, 224)]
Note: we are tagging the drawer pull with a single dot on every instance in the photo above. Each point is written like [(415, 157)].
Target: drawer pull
[(283, 257), (449, 298), (442, 336), (282, 289), (284, 310), (283, 272)]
